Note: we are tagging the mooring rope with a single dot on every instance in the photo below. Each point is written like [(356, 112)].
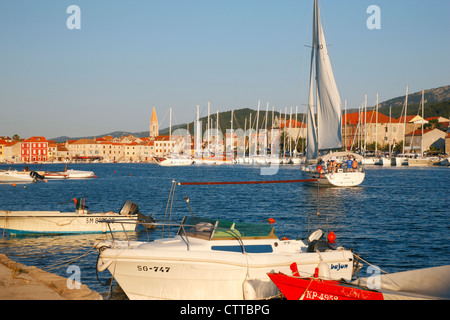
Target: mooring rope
[(67, 262)]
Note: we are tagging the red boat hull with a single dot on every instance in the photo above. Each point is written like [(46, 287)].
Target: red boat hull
[(295, 288)]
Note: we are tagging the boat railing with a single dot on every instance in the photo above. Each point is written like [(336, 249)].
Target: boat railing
[(201, 231)]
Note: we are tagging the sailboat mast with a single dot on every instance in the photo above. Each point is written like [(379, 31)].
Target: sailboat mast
[(266, 136), (404, 120), (421, 143), (217, 133), (365, 123), (232, 135), (345, 125), (257, 129), (376, 128), (390, 130), (271, 131), (207, 126)]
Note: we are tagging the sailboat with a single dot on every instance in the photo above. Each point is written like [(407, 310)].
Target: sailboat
[(422, 161), (326, 134), (173, 159)]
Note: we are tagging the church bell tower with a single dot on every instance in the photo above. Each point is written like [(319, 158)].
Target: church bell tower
[(154, 128)]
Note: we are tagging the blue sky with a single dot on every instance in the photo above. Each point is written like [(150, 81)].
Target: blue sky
[(129, 56)]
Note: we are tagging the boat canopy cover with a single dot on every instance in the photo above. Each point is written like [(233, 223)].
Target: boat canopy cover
[(431, 283), (224, 229), (343, 154)]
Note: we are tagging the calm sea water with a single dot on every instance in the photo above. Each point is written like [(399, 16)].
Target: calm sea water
[(398, 219)]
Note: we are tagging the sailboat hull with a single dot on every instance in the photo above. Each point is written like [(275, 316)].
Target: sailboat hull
[(334, 179)]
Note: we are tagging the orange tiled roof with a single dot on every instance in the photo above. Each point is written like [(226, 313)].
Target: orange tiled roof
[(35, 139), (370, 117), (418, 132), (84, 141), (292, 124), (402, 119)]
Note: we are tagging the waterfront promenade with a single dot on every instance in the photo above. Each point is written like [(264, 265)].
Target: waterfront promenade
[(20, 282)]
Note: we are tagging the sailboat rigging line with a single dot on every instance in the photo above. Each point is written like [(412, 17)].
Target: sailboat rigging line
[(243, 182), (169, 201)]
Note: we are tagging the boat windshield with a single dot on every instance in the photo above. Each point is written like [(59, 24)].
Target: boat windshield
[(211, 229)]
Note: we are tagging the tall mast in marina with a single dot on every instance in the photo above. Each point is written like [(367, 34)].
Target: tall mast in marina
[(376, 128), (257, 128), (390, 129), (365, 123), (421, 143), (198, 134), (345, 124), (207, 126), (290, 133), (404, 120), (232, 137), (217, 133), (266, 136), (271, 132), (250, 136)]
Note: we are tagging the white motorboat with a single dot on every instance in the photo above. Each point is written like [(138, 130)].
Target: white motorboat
[(326, 133), (401, 159), (19, 176), (54, 175), (172, 161), (78, 174), (80, 221), (423, 161), (215, 259), (340, 176), (384, 161)]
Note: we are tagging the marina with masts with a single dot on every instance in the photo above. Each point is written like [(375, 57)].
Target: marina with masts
[(222, 242)]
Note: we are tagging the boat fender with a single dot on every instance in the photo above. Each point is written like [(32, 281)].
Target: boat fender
[(249, 290), (324, 271)]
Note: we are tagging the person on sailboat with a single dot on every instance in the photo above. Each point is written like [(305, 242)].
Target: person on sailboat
[(355, 165), (333, 163), (349, 163)]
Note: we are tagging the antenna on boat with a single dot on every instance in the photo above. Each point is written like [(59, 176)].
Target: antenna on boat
[(187, 200)]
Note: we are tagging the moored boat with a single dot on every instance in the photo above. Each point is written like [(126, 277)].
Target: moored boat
[(19, 176), (314, 288), (421, 284), (77, 174), (80, 221), (213, 259), (173, 161)]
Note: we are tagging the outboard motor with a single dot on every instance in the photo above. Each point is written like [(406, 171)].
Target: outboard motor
[(316, 244), (129, 208), (36, 176)]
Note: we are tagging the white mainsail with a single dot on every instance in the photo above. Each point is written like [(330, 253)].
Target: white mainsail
[(327, 134)]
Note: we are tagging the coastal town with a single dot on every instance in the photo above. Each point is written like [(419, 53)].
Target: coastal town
[(359, 130)]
